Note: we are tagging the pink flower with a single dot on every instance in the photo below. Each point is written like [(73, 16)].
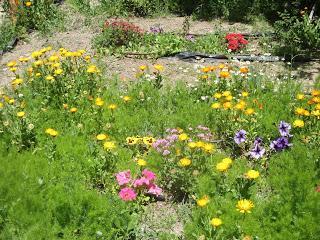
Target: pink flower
[(127, 194), (149, 175), (123, 177), (141, 182), (155, 190)]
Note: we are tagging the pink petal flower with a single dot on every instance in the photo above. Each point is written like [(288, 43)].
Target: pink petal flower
[(127, 194), (123, 177), (155, 190), (149, 175), (141, 182)]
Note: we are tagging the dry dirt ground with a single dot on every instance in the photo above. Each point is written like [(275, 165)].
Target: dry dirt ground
[(80, 31)]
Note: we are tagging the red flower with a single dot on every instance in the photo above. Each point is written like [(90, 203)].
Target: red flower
[(235, 41)]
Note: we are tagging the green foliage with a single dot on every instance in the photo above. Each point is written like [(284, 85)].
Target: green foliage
[(7, 35), (297, 34), (156, 45), (41, 15)]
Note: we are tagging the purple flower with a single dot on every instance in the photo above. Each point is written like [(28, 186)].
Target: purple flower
[(240, 137), (156, 29), (258, 141), (284, 129), (280, 144), (257, 152)]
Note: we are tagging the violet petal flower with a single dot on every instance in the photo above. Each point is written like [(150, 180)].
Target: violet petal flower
[(240, 136), (257, 152), (284, 129)]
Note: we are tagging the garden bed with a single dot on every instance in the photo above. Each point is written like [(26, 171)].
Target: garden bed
[(92, 155)]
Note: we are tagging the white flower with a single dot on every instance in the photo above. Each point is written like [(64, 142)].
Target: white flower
[(30, 126)]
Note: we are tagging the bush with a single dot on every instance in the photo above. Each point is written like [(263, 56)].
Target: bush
[(8, 34), (35, 15), (297, 34)]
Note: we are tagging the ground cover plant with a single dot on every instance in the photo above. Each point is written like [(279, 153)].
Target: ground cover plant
[(83, 156)]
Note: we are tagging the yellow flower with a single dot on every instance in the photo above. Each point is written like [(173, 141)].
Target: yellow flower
[(202, 202), (184, 162), (132, 140), (227, 105), (221, 66), (215, 105), (224, 74), (249, 111), (143, 67), (87, 58), (240, 105), (13, 69), (200, 144), (53, 58), (148, 140), (49, 78), (306, 113), (58, 71), (244, 70), (299, 111), (252, 174), (315, 92), (126, 98), (65, 106), (192, 145), (216, 222), (141, 162), (205, 69), (112, 106), (36, 54), (229, 98), (208, 147), (318, 107), (226, 93), (316, 99), (12, 64), (108, 145), (11, 101), (99, 102), (73, 110), (217, 95), (51, 132), (227, 161), (101, 137), (17, 81), (23, 59), (20, 114), (298, 123), (183, 137), (245, 206), (158, 67), (38, 63), (222, 166), (300, 96), (244, 94), (315, 113), (93, 69), (1, 105)]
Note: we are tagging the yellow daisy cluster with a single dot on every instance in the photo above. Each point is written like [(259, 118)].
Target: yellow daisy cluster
[(226, 101), (308, 105)]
